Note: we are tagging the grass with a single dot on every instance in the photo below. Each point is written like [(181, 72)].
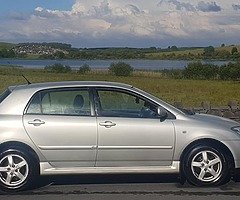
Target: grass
[(180, 52), (4, 45), (189, 92), (228, 48), (195, 52)]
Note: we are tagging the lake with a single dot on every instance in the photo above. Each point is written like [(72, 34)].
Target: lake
[(104, 64)]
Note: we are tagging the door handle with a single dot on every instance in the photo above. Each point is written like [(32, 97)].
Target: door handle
[(107, 124), (36, 122)]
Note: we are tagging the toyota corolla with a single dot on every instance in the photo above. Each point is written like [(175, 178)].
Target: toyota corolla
[(62, 128)]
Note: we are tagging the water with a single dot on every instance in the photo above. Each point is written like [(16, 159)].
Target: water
[(104, 64)]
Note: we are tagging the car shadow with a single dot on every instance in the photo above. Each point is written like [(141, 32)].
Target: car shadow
[(106, 179), (115, 179)]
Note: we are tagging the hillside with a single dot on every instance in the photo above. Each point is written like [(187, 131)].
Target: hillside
[(187, 52), (4, 45), (65, 51)]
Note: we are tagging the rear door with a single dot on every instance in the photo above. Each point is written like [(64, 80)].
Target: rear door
[(62, 125)]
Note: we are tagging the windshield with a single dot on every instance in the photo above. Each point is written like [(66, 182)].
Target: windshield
[(4, 95), (166, 105)]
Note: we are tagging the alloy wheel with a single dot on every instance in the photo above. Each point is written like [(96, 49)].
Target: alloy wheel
[(14, 170), (206, 166)]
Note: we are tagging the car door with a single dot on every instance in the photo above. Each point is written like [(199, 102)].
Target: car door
[(130, 132), (62, 125)]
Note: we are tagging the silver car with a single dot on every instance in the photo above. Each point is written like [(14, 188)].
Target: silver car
[(102, 127)]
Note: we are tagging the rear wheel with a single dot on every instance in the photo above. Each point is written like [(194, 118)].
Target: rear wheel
[(17, 170), (206, 166)]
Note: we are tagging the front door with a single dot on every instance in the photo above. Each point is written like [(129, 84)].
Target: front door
[(130, 132)]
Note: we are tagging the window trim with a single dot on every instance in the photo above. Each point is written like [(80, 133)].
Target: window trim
[(4, 95), (129, 92), (39, 93)]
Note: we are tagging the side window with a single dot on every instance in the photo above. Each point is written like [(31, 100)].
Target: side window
[(120, 104), (61, 102), (35, 105)]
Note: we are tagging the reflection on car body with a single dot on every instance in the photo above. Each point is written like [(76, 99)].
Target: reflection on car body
[(104, 127)]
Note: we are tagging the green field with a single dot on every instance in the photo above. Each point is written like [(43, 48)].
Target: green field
[(180, 52), (195, 52), (34, 51), (4, 45), (189, 92)]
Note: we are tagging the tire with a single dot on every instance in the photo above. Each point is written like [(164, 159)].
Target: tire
[(206, 166), (18, 170)]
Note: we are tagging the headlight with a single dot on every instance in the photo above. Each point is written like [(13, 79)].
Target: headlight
[(236, 129)]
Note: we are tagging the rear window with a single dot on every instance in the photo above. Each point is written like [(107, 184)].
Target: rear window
[(4, 95)]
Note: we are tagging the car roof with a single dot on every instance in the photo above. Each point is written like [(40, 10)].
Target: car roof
[(46, 85), (26, 92)]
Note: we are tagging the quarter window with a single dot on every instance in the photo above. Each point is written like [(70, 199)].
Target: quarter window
[(4, 95), (61, 102)]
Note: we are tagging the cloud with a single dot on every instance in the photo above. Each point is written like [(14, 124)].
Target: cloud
[(103, 9), (126, 23), (48, 14), (18, 16), (236, 6), (208, 7), (178, 5), (201, 6), (131, 9)]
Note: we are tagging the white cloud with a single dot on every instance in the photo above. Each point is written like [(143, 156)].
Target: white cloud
[(208, 7), (236, 7), (178, 5), (116, 22)]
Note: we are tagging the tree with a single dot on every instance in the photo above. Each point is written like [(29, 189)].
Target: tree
[(209, 71), (193, 70), (84, 69), (5, 53), (230, 71), (234, 50), (209, 51), (59, 55), (197, 70), (174, 48), (224, 72), (58, 68), (121, 69)]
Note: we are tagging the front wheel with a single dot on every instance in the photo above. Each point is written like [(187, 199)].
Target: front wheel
[(206, 166), (17, 170)]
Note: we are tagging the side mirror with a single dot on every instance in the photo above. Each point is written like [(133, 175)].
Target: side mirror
[(162, 113)]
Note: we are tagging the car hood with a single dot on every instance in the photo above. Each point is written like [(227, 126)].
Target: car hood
[(215, 120)]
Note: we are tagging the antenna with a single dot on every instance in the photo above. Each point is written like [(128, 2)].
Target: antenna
[(26, 80)]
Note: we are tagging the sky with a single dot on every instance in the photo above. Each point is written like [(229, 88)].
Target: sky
[(121, 23)]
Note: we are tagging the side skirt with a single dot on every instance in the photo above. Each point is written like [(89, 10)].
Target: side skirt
[(47, 169)]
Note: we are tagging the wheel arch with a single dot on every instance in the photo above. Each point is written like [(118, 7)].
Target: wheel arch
[(212, 143), (20, 145)]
